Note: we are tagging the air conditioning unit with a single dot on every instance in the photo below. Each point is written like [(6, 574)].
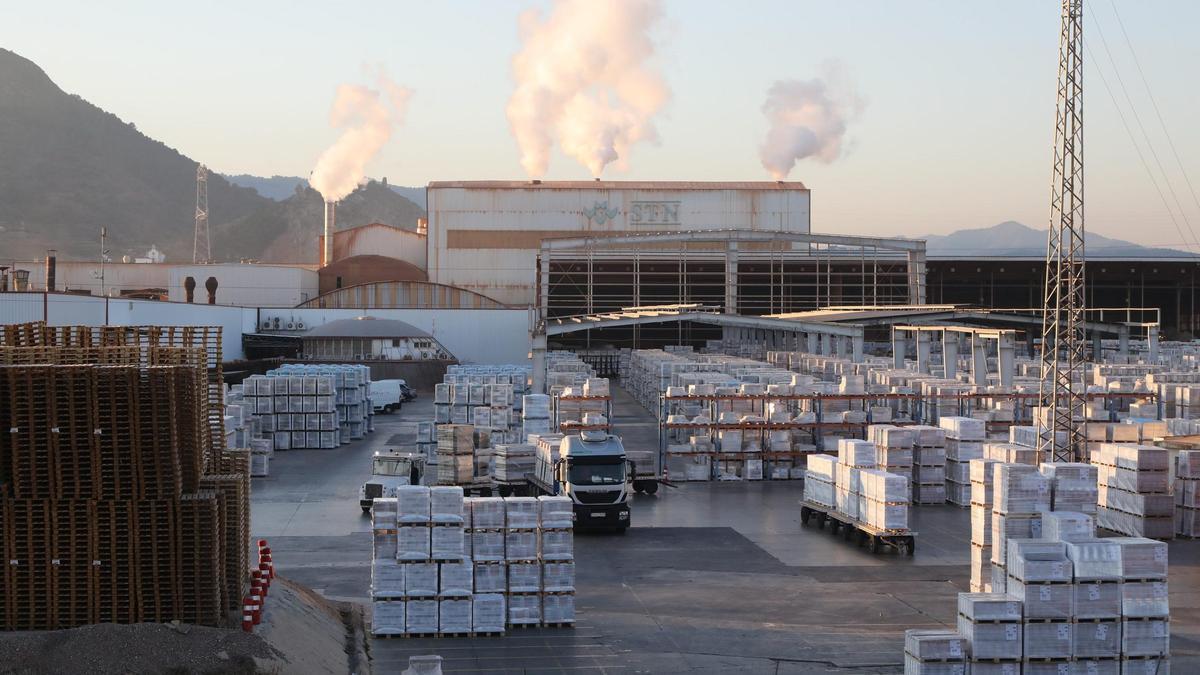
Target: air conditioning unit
[(299, 325), (266, 325), (291, 326)]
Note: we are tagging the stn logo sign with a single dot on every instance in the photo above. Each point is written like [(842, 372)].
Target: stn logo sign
[(654, 213)]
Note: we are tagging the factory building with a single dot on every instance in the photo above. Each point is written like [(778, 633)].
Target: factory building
[(366, 337)]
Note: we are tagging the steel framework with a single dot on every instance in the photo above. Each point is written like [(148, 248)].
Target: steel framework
[(201, 250), (1060, 438)]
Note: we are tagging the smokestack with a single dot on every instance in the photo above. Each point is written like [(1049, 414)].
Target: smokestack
[(51, 269), (330, 226), (189, 288)]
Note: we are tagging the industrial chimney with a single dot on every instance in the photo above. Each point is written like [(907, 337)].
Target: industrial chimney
[(51, 269), (330, 226)]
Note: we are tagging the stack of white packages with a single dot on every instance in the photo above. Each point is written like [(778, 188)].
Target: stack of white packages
[(883, 500), (1020, 495), (1011, 453), (1187, 493), (1134, 490), (853, 456), (934, 652), (929, 465), (556, 554), (1145, 609), (535, 415), (448, 534), (893, 449), (1072, 486), (991, 624), (512, 461), (982, 479), (456, 454), (387, 574), (521, 557), (818, 484), (1040, 575), (964, 442), (1097, 613)]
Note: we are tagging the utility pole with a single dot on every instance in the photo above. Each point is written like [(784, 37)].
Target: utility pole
[(201, 251), (1060, 436), (103, 258)]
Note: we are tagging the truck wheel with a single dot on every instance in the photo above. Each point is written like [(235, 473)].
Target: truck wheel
[(651, 487), (366, 510), (505, 491)]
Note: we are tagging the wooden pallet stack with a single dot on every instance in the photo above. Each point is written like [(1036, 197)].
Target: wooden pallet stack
[(118, 501)]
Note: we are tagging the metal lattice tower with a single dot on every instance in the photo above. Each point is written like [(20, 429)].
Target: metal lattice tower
[(1060, 437), (201, 250)]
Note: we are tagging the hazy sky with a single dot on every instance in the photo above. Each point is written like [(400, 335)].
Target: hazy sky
[(956, 131)]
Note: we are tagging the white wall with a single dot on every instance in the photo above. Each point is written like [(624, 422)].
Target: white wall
[(246, 285), (471, 335), (84, 275)]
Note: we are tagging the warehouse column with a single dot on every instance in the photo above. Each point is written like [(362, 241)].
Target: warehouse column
[(1152, 343), (950, 354), (1097, 347), (978, 360), (899, 347), (916, 277), (1123, 340), (826, 349), (731, 283), (538, 357), (1006, 353), (923, 352), (810, 341), (840, 346), (856, 350)]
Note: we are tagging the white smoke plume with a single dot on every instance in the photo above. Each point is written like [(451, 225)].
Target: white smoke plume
[(368, 117), (584, 80), (808, 119)]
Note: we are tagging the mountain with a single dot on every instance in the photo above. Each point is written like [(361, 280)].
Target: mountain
[(1013, 239), (287, 231), (67, 168), (280, 188)]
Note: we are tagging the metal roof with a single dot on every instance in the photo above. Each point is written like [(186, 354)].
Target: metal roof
[(617, 185), (366, 327)]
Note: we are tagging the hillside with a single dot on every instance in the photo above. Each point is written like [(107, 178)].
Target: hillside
[(280, 188), (1013, 239), (69, 168), (287, 231)]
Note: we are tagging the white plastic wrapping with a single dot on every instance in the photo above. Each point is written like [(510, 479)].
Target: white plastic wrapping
[(383, 513), (387, 617), (491, 577), (1097, 599), (1048, 640), (383, 543), (1145, 599), (412, 542), (486, 512), (1068, 526), (1142, 558), (1019, 488), (488, 613), (555, 511), (1032, 560), (1095, 558), (558, 608), (456, 579), (934, 645), (447, 543), (989, 607), (1145, 637), (446, 504), (524, 578), (412, 504), (992, 640), (524, 609), (1097, 639), (1044, 601), (558, 577), (421, 580), (556, 545), (521, 512), (387, 579), (454, 615), (487, 545), (520, 545)]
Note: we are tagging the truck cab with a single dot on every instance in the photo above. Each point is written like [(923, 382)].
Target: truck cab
[(591, 468), (390, 470)]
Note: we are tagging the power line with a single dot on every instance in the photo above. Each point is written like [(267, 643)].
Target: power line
[(1141, 127)]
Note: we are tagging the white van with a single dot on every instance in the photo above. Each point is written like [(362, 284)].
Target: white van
[(387, 395)]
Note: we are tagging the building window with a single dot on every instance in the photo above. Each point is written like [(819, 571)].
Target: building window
[(395, 342)]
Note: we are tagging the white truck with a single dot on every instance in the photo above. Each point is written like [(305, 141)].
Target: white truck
[(390, 470), (591, 469)]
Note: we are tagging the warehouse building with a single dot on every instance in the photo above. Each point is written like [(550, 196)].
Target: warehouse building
[(366, 337)]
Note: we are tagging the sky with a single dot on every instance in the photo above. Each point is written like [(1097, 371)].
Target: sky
[(956, 131)]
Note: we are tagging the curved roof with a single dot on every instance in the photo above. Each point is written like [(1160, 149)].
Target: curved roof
[(399, 294), (366, 327)]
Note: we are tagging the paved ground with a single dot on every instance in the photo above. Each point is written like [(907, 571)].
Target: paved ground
[(712, 577)]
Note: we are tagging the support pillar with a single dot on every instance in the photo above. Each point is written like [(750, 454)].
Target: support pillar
[(538, 357), (1123, 341), (923, 352), (826, 347), (731, 282), (810, 341), (1006, 359), (840, 345), (978, 360), (1152, 343), (1097, 347), (899, 348), (950, 354), (856, 349)]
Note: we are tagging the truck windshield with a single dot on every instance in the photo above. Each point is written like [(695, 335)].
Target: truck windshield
[(597, 474), (388, 466)]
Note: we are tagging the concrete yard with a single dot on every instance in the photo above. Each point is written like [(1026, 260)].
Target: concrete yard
[(712, 577)]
